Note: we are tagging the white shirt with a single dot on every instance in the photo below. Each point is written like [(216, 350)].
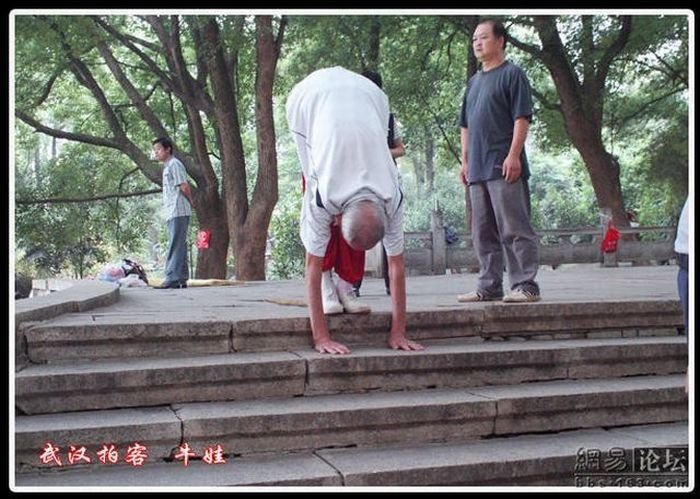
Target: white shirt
[(681, 243), (339, 120)]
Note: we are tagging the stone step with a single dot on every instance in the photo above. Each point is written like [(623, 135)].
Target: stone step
[(105, 335), (554, 459), (323, 421), (140, 382)]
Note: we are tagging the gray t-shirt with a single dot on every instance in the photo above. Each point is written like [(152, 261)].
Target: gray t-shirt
[(493, 101)]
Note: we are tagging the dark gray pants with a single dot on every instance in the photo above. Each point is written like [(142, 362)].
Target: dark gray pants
[(682, 280), (176, 268), (502, 234)]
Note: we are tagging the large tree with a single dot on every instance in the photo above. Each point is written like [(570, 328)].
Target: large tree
[(178, 77), (581, 70)]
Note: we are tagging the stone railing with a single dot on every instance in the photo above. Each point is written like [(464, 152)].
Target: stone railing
[(428, 253), (43, 287)]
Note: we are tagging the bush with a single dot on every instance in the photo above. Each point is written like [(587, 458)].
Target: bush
[(287, 252)]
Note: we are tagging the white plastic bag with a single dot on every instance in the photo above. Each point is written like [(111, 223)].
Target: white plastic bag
[(132, 281), (111, 272)]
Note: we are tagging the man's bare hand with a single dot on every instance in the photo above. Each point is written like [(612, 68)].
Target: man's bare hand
[(511, 169), (464, 173), (332, 347), (403, 343)]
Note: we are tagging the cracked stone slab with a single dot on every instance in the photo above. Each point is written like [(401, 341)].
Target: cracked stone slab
[(334, 420), (161, 335), (458, 363), (135, 382), (285, 470), (526, 460), (158, 429)]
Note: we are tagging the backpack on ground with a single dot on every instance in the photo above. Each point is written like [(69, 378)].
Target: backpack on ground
[(132, 267)]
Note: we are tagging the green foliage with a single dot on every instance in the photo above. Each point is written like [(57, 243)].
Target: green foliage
[(448, 197), (423, 61), (287, 252), (560, 194), (76, 238)]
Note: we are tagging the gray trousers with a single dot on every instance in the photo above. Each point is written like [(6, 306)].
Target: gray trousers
[(176, 268), (502, 234)]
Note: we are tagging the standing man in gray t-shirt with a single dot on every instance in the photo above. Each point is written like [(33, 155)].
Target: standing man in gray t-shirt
[(495, 118), (177, 208)]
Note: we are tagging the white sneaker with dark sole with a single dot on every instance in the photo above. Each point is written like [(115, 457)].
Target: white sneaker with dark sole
[(475, 296), (521, 296)]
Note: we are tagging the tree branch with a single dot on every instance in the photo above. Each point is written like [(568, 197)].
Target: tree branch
[(84, 77), (280, 35), (525, 47), (672, 73), (86, 200), (202, 69), (134, 96), (126, 40), (544, 101), (357, 46), (140, 41), (49, 85), (78, 137), (444, 134), (647, 105), (188, 90), (613, 50)]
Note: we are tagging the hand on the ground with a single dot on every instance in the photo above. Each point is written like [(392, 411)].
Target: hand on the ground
[(403, 343), (330, 346)]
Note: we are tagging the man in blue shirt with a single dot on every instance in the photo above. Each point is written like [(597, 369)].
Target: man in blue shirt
[(494, 120)]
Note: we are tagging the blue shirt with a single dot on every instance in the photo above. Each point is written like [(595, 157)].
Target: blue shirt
[(493, 101)]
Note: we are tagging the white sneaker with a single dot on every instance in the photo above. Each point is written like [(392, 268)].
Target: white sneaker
[(329, 295), (352, 303), (522, 296)]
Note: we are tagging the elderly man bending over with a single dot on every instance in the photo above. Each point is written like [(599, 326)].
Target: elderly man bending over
[(339, 122)]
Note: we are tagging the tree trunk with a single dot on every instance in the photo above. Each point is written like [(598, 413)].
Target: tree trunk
[(603, 168), (211, 262), (430, 163), (374, 43), (250, 250), (469, 23), (582, 105)]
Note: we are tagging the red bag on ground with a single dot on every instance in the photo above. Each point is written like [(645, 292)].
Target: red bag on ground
[(203, 237), (612, 236)]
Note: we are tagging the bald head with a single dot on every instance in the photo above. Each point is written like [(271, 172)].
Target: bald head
[(363, 224)]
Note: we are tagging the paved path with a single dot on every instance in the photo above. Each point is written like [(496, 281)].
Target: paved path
[(273, 299)]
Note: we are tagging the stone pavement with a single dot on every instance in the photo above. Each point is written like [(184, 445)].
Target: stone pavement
[(286, 299), (506, 394)]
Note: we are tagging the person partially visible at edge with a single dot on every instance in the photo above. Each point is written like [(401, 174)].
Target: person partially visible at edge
[(177, 209), (338, 120), (494, 120), (682, 248), (397, 148)]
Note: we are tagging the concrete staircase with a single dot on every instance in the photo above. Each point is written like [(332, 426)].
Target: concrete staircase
[(503, 395)]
